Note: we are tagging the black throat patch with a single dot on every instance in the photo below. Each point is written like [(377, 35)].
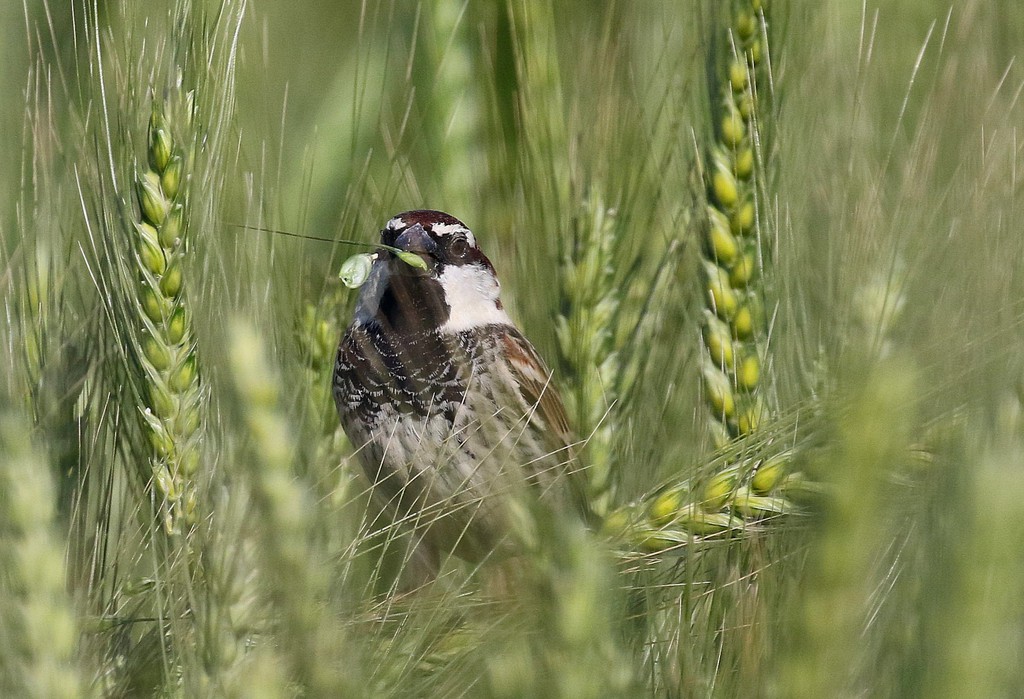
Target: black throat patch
[(412, 303)]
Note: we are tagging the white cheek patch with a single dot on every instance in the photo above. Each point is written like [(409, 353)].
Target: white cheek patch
[(395, 224), (472, 295)]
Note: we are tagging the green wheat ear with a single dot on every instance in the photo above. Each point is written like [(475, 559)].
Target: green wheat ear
[(174, 406), (296, 583), (39, 637), (734, 240), (733, 331)]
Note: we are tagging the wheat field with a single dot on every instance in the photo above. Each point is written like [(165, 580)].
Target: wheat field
[(771, 250)]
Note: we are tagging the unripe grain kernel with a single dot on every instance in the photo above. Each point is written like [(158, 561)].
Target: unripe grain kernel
[(748, 373), (151, 199), (749, 418), (161, 401), (170, 284), (743, 270), (176, 326), (718, 341), (161, 442), (722, 245), (156, 353), (182, 379), (733, 129), (743, 166), (746, 104), (748, 318), (170, 180), (723, 185), (152, 257), (746, 25), (718, 489), (719, 393), (742, 220), (160, 142), (754, 52), (667, 505), (721, 297), (770, 473), (152, 303), (170, 231), (738, 76), (189, 463)]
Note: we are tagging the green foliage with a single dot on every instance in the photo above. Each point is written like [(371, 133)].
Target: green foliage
[(828, 235)]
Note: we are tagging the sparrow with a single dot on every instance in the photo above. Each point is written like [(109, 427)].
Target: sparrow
[(452, 412)]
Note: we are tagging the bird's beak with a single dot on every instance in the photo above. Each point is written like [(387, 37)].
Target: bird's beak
[(415, 239)]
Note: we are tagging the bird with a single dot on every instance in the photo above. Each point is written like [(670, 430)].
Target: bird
[(451, 411)]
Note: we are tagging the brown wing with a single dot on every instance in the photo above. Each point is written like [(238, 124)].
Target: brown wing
[(537, 389)]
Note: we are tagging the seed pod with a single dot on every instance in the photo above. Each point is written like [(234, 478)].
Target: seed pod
[(164, 482), (152, 257), (754, 52), (151, 198), (658, 540), (187, 421), (801, 489), (720, 437), (616, 524), (356, 269)]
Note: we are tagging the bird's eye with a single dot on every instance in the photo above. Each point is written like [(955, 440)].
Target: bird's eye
[(458, 248)]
